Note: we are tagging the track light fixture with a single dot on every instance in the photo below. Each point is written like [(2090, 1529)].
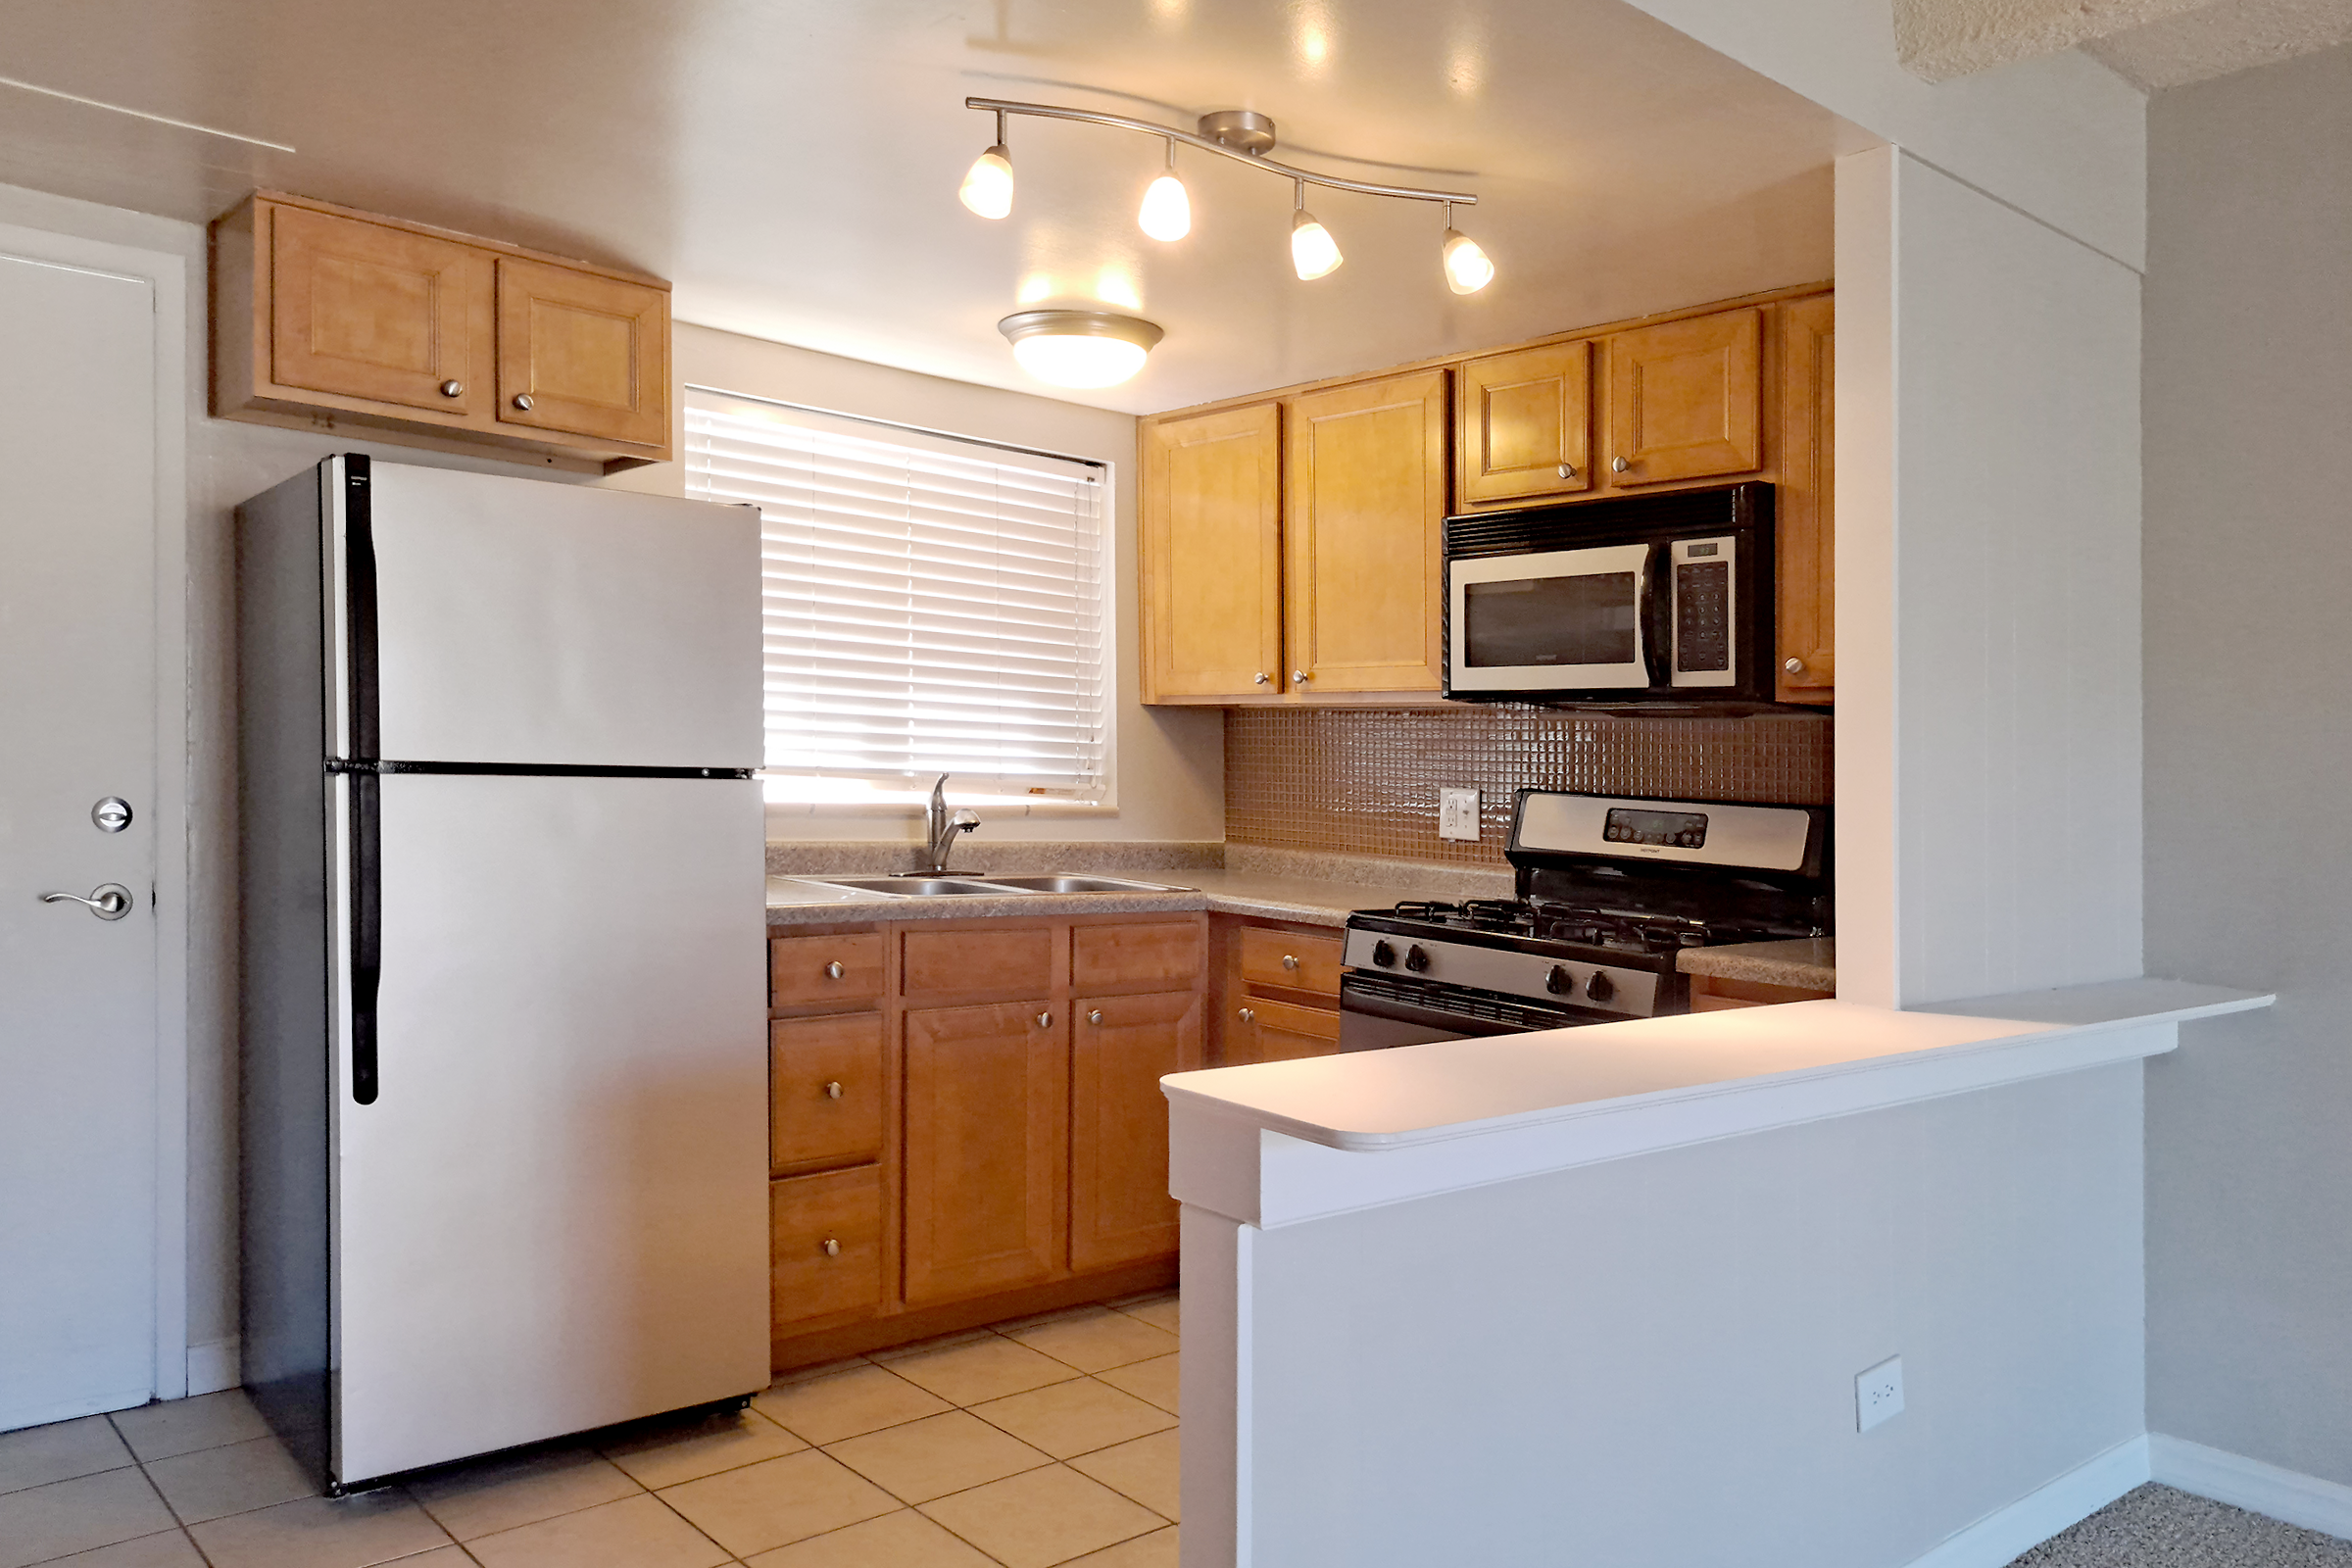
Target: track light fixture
[(1247, 137)]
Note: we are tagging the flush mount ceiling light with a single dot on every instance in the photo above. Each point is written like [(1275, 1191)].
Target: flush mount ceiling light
[(1079, 348), (1246, 137)]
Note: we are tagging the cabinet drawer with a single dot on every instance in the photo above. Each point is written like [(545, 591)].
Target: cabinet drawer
[(799, 970), (1152, 952), (1288, 959), (1018, 963), (825, 1244), (1278, 1031), (825, 1091)]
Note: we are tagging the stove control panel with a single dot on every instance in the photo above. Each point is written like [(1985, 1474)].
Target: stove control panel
[(1533, 975)]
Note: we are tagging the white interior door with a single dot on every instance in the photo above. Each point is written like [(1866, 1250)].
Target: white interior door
[(79, 1070)]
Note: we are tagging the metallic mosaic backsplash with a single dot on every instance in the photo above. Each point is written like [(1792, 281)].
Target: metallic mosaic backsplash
[(1365, 781)]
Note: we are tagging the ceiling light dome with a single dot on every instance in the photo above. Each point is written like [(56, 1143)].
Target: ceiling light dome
[(1079, 348)]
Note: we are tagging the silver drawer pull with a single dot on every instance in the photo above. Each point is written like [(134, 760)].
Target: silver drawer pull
[(1289, 960), (832, 1247), (834, 970), (1094, 1015), (1567, 470), (1618, 465), (832, 1091), (1044, 1020), (522, 401), (453, 389), (1249, 1015)]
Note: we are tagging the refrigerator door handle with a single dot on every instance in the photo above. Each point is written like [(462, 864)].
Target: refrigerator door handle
[(367, 929)]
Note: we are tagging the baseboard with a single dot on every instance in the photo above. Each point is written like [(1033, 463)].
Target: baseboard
[(214, 1365), (1997, 1538), (2252, 1485)]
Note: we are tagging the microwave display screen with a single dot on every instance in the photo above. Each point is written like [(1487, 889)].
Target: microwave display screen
[(1585, 620), (1681, 830)]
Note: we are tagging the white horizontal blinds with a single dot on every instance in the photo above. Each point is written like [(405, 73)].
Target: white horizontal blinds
[(932, 605)]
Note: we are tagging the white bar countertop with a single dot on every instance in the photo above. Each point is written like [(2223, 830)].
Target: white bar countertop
[(1284, 1141)]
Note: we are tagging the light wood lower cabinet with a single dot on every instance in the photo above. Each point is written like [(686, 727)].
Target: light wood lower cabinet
[(825, 1253), (987, 1133), (1277, 992), (1279, 1031), (825, 1091), (1121, 1047)]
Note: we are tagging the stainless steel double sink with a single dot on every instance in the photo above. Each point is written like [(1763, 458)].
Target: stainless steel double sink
[(995, 887)]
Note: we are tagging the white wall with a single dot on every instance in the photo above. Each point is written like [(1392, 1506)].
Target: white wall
[(2249, 572), (1989, 745), (1652, 1361)]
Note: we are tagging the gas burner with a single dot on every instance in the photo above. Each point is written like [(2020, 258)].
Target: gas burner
[(1425, 909), (1505, 913)]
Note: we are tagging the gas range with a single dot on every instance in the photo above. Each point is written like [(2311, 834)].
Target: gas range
[(1610, 890)]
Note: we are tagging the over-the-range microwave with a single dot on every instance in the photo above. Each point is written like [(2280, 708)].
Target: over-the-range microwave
[(1661, 602)]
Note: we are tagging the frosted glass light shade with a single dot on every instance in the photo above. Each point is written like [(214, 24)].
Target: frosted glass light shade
[(1313, 252), (1167, 211), (988, 183), (1079, 348), (1467, 268)]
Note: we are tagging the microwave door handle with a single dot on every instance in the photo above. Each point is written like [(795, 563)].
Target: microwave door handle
[(1657, 615)]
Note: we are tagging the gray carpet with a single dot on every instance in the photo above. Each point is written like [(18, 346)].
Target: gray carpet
[(2156, 1526)]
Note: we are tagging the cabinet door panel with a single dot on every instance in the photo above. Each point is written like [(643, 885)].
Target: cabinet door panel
[(824, 1244), (1121, 1210), (1276, 1031), (1686, 399), (1212, 554), (363, 311), (987, 1137), (590, 353), (825, 1091), (1524, 418), (1361, 521), (1802, 517)]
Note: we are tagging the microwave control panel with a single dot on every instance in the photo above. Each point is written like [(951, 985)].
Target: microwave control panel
[(1706, 632)]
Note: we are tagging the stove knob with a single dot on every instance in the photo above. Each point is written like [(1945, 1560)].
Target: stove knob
[(1600, 988), (1560, 983), (1384, 955), (1415, 960)]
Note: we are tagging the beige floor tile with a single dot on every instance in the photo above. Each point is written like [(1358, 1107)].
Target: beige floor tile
[(1075, 1417), (95, 1510), (936, 1456), (1154, 1380), (902, 1539), (941, 1341), (985, 1368), (1161, 1311), (182, 1426), (214, 1482), (1144, 1469), (60, 1452), (484, 1498), (634, 1533), (355, 1532), (823, 1369), (778, 1502), (1097, 1340), (170, 1549), (438, 1558), (1041, 1517), (1155, 1550), (848, 1404), (665, 1454)]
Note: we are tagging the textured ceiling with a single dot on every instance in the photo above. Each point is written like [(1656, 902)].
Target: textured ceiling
[(792, 164), (2152, 43)]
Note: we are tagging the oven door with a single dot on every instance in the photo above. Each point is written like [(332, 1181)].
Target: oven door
[(1380, 1012), (1555, 620)]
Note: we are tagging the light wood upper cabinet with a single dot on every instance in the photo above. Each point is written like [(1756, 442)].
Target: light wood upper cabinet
[(325, 318), (1364, 503), (1121, 1047), (583, 352), (1211, 590), (1803, 522), (1525, 424), (1686, 399)]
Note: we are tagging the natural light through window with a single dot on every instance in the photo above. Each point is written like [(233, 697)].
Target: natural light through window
[(932, 605)]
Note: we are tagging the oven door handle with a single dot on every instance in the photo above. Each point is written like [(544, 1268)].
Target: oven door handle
[(1657, 615)]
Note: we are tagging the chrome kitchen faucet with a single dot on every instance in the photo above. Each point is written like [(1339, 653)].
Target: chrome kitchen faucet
[(939, 829)]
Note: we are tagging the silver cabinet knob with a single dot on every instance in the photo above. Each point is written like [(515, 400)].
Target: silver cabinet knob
[(1794, 665), (522, 401), (1264, 678), (109, 900), (1044, 1020), (1094, 1015), (1567, 470), (832, 1247), (111, 814), (1302, 675), (1618, 465), (832, 1091), (1289, 960), (453, 389), (834, 970), (1247, 1015)]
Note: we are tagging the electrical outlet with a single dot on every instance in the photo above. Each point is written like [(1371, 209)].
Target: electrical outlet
[(1878, 1394), (1458, 814)]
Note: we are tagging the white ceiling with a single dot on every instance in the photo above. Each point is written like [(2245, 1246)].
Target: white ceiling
[(792, 164), (2151, 43)]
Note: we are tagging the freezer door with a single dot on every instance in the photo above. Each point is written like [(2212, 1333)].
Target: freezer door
[(553, 1214), (525, 621)]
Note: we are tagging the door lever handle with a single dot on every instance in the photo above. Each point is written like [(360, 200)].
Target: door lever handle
[(109, 900)]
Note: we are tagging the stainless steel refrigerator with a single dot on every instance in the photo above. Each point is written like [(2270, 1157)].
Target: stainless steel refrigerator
[(505, 1094)]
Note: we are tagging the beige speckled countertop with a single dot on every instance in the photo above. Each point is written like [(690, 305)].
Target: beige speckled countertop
[(1811, 963), (799, 900)]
